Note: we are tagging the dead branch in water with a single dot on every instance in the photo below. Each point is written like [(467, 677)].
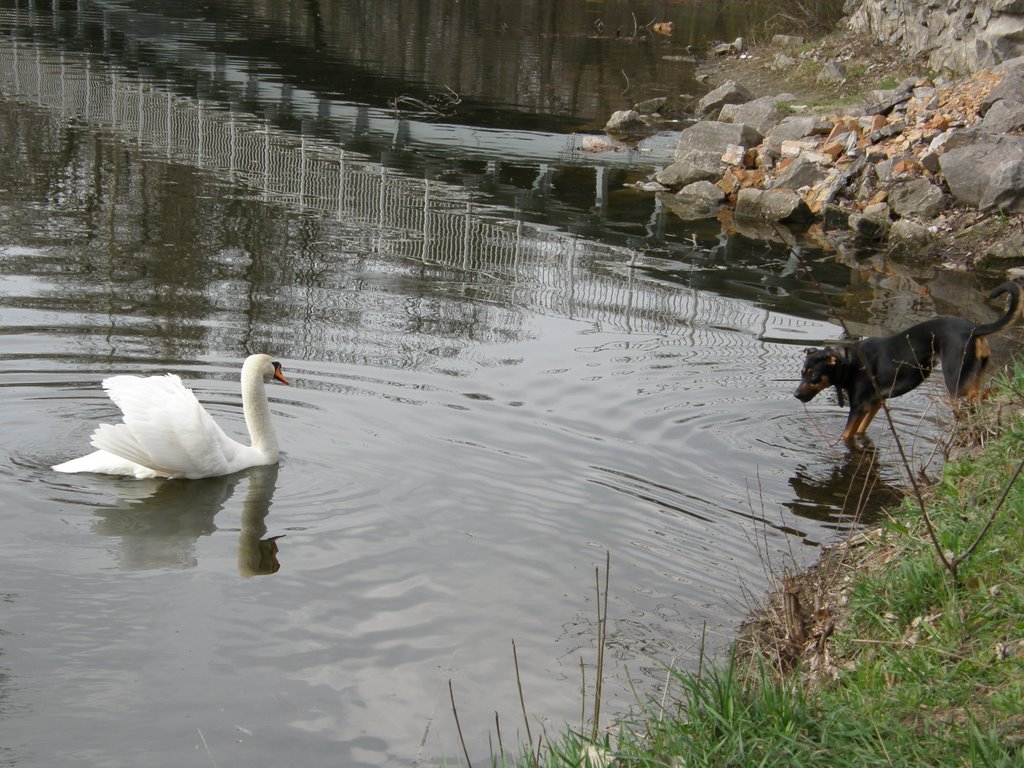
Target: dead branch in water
[(435, 106)]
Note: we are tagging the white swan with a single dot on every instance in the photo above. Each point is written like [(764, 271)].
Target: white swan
[(167, 433)]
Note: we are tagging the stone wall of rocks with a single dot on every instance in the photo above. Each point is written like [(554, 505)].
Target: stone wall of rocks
[(957, 36), (903, 172)]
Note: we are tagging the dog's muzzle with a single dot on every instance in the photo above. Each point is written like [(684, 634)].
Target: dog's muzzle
[(806, 392)]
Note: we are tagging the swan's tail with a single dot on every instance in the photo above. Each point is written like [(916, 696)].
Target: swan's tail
[(119, 440), (105, 463)]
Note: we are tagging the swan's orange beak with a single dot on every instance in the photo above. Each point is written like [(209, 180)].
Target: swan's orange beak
[(278, 374)]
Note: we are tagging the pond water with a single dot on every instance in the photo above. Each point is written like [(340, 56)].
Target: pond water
[(503, 366)]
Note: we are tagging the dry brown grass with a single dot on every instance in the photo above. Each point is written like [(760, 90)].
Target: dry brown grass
[(790, 633)]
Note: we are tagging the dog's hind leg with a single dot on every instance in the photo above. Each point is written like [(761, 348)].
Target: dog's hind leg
[(965, 379)]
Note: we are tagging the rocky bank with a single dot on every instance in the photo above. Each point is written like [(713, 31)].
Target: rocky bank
[(933, 165)]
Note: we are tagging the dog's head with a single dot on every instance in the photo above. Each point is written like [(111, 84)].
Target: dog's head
[(819, 372)]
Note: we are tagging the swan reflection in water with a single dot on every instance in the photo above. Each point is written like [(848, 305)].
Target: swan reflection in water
[(160, 521)]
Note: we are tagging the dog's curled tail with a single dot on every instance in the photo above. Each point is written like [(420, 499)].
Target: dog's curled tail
[(1012, 311)]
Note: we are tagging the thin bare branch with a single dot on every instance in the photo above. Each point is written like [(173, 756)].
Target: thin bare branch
[(458, 725), (522, 700)]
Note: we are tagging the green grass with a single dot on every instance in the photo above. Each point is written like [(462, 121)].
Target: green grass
[(856, 70), (931, 667)]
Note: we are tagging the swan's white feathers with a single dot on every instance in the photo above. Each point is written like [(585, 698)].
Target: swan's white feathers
[(165, 428), (166, 432), (105, 463), (118, 440)]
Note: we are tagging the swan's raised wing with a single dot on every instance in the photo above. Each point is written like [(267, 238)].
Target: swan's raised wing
[(165, 428)]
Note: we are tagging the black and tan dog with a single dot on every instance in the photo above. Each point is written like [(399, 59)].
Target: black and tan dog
[(874, 369)]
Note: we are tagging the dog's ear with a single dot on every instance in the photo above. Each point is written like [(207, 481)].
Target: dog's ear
[(810, 350)]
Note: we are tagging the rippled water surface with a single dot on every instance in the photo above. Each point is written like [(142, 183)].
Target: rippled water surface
[(503, 366)]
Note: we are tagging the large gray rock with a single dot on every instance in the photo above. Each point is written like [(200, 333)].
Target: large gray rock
[(710, 139), (626, 122), (795, 127), (698, 155), (771, 205), (1004, 116), (763, 113), (916, 198), (729, 92), (1004, 36), (802, 172), (985, 170), (684, 172)]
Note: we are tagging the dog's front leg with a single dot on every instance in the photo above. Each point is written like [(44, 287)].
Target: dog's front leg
[(860, 418)]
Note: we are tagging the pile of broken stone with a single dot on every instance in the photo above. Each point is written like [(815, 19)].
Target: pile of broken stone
[(888, 174)]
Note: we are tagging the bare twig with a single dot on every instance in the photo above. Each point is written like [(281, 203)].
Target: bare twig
[(583, 696), (703, 641), (501, 745), (458, 725), (441, 104), (671, 669), (602, 636), (522, 700)]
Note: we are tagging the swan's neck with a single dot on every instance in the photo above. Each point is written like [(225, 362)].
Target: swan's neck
[(257, 415)]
